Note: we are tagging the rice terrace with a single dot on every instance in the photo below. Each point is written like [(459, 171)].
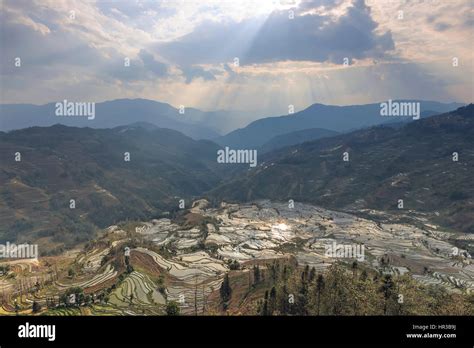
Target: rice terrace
[(179, 265)]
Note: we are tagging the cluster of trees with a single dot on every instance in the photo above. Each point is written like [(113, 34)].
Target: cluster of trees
[(233, 264), (349, 290), (12, 231), (4, 269), (172, 308), (72, 230), (74, 297)]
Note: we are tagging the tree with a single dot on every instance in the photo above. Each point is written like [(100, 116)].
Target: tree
[(285, 273), (355, 265), (265, 304), (234, 265), (63, 299), (274, 269), (272, 301), (387, 290), (319, 289), (128, 267), (338, 288), (17, 307), (283, 303), (364, 275), (73, 296), (36, 307), (256, 274), (305, 275), (312, 274), (225, 290), (172, 308)]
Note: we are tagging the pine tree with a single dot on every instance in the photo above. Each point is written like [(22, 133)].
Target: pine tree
[(312, 274), (36, 307), (265, 304), (256, 274), (387, 290), (319, 289), (225, 289), (355, 265), (305, 275), (272, 301)]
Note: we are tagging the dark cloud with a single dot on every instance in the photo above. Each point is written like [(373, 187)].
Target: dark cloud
[(438, 26), (277, 38), (48, 51), (61, 53), (141, 68), (38, 51), (194, 72), (150, 64), (442, 26), (54, 63)]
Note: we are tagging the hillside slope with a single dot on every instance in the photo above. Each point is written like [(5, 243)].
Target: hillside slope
[(413, 163), (61, 163), (295, 138)]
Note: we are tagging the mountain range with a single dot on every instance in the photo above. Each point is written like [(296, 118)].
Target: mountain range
[(330, 117), (211, 125), (412, 161), (415, 162), (194, 123), (131, 172)]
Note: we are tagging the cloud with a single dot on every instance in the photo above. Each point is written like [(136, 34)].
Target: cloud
[(183, 52), (194, 72), (308, 37), (442, 26), (152, 65), (312, 4)]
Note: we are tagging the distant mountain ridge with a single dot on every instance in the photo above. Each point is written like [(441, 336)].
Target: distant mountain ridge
[(199, 124), (335, 118), (110, 114)]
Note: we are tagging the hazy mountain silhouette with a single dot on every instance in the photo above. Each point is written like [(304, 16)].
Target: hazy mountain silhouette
[(336, 118), (111, 114)]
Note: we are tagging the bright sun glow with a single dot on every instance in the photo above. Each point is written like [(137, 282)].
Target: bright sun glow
[(282, 227), (268, 6)]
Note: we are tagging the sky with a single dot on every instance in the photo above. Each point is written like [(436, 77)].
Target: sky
[(255, 56)]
